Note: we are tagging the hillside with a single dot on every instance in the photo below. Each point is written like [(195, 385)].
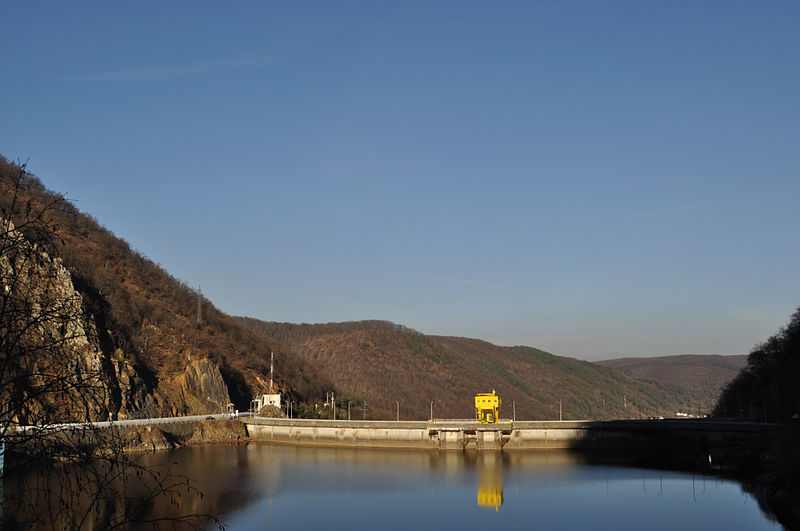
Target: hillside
[(767, 385), (766, 390), (703, 376), (157, 346), (385, 363), (154, 346)]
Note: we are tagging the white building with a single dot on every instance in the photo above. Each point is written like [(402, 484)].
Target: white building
[(265, 400)]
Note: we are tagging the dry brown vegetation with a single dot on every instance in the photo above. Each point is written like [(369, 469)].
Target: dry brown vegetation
[(148, 317), (385, 363), (702, 376)]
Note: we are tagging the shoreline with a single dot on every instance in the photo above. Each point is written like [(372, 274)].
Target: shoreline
[(699, 441)]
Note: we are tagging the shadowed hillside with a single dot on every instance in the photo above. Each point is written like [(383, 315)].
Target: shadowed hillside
[(385, 363), (766, 390), (768, 384), (703, 377)]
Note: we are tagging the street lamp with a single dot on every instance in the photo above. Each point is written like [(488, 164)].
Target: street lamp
[(398, 410)]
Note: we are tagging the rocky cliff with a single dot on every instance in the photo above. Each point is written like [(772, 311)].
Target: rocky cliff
[(199, 389), (139, 342), (57, 365)]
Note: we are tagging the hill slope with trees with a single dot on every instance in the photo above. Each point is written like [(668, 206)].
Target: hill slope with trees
[(384, 363), (702, 376), (158, 346), (768, 385), (766, 390), (161, 348)]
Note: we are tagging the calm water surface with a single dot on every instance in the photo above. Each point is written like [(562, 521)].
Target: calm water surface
[(260, 486), (280, 487)]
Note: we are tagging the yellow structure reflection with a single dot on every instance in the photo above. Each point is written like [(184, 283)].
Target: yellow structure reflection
[(490, 480)]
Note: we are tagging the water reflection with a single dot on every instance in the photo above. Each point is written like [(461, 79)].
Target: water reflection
[(285, 487), (490, 480)]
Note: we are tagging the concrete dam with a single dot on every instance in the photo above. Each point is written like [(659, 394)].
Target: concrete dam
[(704, 437)]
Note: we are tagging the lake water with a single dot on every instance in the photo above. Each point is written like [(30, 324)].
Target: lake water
[(260, 486)]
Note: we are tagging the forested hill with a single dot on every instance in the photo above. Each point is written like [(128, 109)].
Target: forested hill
[(768, 385), (703, 376), (160, 346), (157, 347), (385, 363)]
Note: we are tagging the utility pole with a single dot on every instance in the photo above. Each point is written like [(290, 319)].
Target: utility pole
[(514, 406), (199, 307), (431, 410), (559, 410), (398, 410)]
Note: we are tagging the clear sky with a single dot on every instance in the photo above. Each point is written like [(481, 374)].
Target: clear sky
[(596, 179)]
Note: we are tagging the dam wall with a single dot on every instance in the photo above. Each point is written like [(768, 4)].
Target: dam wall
[(375, 434), (673, 435)]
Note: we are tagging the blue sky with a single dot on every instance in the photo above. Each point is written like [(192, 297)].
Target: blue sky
[(597, 179)]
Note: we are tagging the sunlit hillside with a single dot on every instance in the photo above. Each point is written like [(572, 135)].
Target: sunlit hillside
[(152, 330), (387, 364)]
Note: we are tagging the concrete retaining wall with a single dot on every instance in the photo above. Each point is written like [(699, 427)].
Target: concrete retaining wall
[(340, 433), (425, 435), (505, 435)]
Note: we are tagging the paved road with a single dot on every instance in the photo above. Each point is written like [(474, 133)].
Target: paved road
[(128, 422)]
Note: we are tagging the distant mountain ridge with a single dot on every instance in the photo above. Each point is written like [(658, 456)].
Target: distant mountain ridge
[(672, 368), (392, 366), (164, 349), (703, 375)]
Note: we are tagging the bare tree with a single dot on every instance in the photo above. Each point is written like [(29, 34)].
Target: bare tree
[(52, 374)]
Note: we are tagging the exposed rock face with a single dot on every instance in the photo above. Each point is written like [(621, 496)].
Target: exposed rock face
[(61, 362), (52, 371), (200, 389), (146, 439), (136, 398), (219, 431)]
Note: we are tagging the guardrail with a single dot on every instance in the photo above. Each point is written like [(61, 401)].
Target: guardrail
[(104, 424)]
